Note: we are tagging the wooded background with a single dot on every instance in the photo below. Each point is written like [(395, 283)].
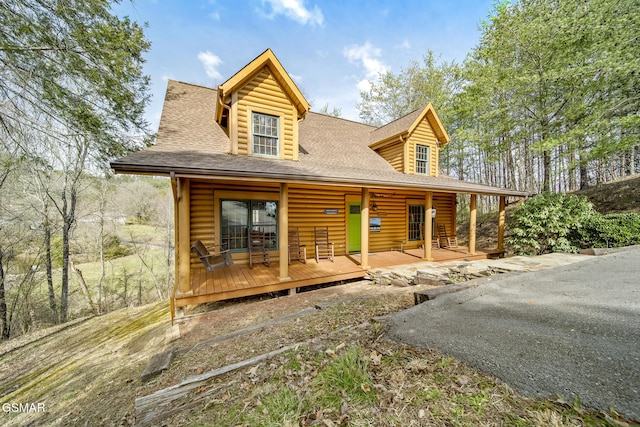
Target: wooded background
[(547, 101)]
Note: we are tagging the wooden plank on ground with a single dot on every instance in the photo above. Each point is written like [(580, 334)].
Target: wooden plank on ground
[(150, 409)]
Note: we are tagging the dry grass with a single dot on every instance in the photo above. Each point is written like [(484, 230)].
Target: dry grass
[(348, 375)]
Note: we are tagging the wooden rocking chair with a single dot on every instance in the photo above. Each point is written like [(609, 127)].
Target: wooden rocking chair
[(257, 247), (297, 251), (435, 243), (446, 241), (324, 248), (212, 261)]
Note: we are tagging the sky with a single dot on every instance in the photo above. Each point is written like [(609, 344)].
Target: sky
[(332, 49)]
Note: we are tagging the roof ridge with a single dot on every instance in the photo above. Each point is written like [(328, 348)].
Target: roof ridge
[(341, 118), (191, 84)]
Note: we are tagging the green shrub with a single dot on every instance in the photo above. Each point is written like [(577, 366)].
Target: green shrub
[(546, 222), (112, 247), (608, 231)]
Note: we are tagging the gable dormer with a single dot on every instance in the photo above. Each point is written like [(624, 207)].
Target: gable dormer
[(260, 107), (411, 144)]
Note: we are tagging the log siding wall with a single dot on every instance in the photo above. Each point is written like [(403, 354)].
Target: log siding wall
[(394, 154), (423, 135), (307, 207), (402, 155), (263, 94)]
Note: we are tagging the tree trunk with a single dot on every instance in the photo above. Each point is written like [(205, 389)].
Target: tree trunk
[(49, 271), (6, 328), (84, 287), (103, 273), (572, 168), (68, 216), (64, 292), (630, 166), (584, 175), (140, 285), (460, 159), (546, 170), (102, 260)]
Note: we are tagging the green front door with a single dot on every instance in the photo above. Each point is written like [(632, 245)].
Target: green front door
[(354, 227)]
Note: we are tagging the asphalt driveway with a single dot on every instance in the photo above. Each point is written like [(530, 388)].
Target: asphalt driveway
[(569, 331)]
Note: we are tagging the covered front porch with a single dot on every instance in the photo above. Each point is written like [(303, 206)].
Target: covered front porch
[(239, 280), (198, 217)]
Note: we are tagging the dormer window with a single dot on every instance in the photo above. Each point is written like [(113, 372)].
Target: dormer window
[(266, 140), (422, 159)]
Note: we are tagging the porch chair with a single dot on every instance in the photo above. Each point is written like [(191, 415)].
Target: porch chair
[(212, 261), (324, 248), (297, 251), (435, 242), (257, 247), (449, 242)]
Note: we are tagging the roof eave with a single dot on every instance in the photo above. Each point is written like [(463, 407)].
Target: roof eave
[(432, 117), (123, 168), (400, 136)]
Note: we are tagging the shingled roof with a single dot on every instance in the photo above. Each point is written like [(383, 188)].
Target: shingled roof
[(407, 123), (396, 127), (332, 150)]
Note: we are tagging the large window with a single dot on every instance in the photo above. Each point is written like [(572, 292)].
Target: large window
[(238, 216), (265, 135), (422, 159), (416, 220)]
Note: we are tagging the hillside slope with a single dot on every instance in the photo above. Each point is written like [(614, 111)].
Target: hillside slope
[(82, 373), (618, 196)]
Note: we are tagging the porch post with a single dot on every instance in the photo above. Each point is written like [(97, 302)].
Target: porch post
[(502, 216), (428, 225), (472, 224), (364, 229), (183, 233), (283, 233)]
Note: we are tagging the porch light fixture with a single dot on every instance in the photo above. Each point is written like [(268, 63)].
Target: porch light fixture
[(374, 207), (433, 211)]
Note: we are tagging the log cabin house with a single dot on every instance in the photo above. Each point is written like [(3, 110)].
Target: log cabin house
[(250, 155)]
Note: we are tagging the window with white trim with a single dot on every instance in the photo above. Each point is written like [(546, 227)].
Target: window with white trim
[(266, 141), (422, 159)]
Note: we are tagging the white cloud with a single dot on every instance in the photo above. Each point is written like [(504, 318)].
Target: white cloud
[(296, 77), (210, 62), (405, 45), (367, 56), (296, 10)]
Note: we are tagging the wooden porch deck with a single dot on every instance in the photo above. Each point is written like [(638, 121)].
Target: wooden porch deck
[(239, 280), (442, 255), (412, 256)]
